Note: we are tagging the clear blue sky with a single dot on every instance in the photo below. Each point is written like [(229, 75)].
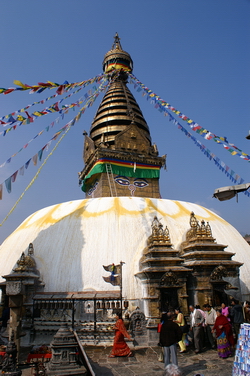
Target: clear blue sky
[(195, 54)]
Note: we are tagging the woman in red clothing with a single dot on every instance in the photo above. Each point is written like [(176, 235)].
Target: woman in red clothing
[(224, 335), (120, 348)]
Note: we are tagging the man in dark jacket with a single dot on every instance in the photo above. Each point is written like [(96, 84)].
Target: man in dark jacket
[(237, 315), (169, 336)]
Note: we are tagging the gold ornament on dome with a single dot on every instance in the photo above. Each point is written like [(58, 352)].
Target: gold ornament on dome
[(199, 232), (25, 263), (159, 235)]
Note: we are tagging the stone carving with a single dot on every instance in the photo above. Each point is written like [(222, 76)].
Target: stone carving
[(219, 273), (9, 365), (137, 322), (14, 287), (169, 279)]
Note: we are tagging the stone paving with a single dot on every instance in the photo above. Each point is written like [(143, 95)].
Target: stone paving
[(145, 362)]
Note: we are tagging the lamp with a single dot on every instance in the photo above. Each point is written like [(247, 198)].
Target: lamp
[(226, 193)]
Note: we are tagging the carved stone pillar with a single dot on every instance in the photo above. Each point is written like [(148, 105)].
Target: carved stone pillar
[(20, 286), (15, 291)]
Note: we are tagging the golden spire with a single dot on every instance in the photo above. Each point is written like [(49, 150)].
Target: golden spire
[(117, 44), (117, 59), (118, 107)]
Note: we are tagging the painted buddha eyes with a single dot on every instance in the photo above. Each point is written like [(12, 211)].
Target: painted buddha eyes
[(122, 180), (139, 182)]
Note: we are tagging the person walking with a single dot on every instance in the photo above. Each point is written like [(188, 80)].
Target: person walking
[(210, 317), (237, 316), (120, 348), (224, 335), (169, 336), (196, 322), (181, 322)]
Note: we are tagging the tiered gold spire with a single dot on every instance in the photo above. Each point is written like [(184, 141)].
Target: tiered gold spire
[(118, 108), (118, 153), (116, 112)]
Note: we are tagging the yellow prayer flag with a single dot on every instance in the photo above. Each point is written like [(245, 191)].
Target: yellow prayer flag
[(20, 118), (52, 83), (19, 83)]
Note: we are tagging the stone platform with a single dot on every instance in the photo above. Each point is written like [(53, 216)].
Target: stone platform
[(145, 363)]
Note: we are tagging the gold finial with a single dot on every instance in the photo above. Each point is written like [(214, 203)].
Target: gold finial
[(117, 59), (117, 44)]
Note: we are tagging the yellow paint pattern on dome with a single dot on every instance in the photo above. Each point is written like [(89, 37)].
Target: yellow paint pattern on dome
[(186, 211), (49, 216), (66, 234)]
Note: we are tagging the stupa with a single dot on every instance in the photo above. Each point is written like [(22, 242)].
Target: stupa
[(174, 252)]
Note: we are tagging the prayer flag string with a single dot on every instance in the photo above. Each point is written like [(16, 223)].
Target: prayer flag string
[(230, 173), (235, 178), (53, 108), (163, 106), (34, 178), (22, 110), (62, 112), (38, 156), (31, 117), (41, 86)]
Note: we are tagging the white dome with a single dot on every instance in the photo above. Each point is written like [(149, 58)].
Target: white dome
[(73, 240)]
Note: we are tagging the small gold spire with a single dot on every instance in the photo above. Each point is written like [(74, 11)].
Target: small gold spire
[(117, 44)]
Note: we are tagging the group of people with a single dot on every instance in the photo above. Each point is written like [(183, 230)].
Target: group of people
[(219, 326), (211, 322), (222, 323)]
